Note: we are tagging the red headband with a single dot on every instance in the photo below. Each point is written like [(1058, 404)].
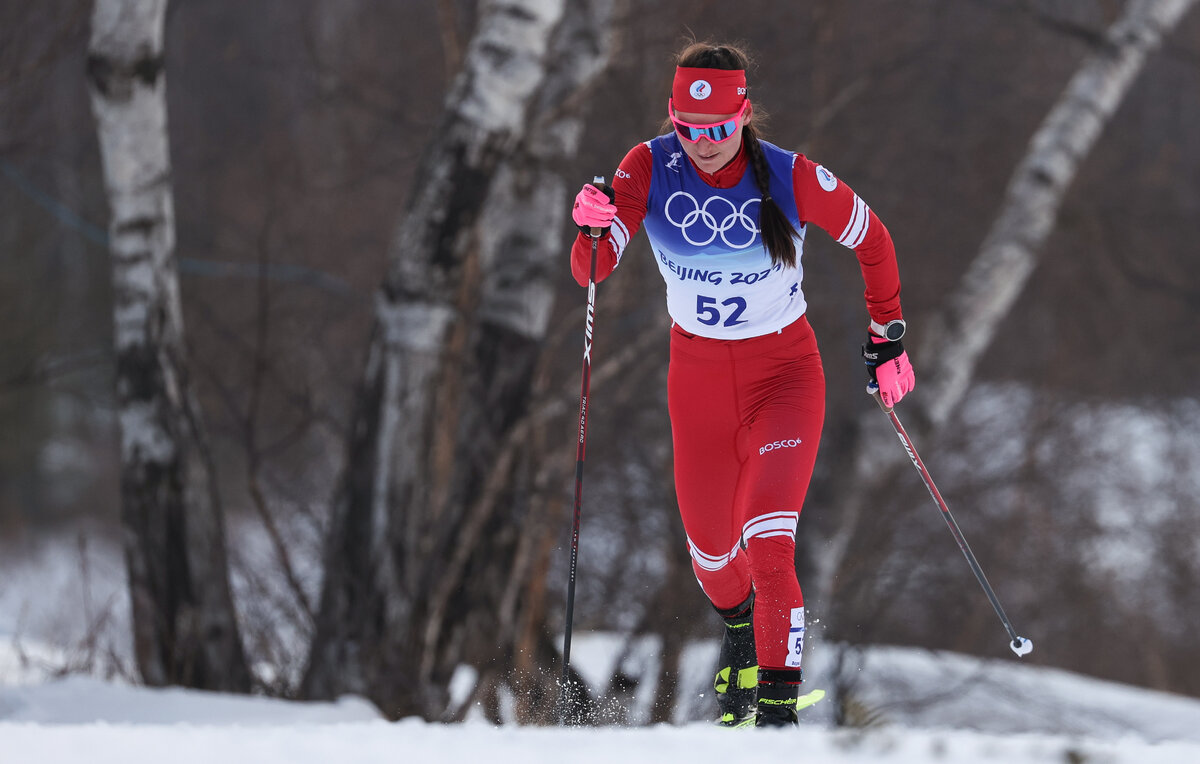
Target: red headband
[(708, 91)]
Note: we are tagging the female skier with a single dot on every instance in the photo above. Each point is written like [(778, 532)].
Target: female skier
[(726, 213)]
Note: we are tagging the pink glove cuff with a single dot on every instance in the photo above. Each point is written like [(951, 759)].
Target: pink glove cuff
[(592, 208)]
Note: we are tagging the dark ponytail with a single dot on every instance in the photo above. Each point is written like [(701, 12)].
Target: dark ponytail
[(778, 234)]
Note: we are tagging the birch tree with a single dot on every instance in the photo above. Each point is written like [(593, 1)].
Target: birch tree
[(184, 628), (426, 528), (950, 348)]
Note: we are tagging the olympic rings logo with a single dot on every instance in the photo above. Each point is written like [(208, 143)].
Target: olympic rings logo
[(700, 216)]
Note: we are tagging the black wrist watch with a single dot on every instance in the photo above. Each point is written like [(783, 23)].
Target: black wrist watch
[(891, 331)]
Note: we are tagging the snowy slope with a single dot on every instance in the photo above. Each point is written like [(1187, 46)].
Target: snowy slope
[(208, 734), (410, 741), (82, 701), (929, 708), (910, 687)]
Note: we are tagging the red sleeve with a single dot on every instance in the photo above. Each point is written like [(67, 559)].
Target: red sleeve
[(631, 185), (823, 199)]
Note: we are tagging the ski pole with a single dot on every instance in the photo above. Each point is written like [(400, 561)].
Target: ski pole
[(579, 454), (1019, 645)]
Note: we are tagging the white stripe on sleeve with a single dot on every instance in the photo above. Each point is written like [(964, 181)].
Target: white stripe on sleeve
[(866, 223), (620, 237), (856, 229)]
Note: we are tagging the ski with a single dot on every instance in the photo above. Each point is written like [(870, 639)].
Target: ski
[(809, 698), (804, 701)]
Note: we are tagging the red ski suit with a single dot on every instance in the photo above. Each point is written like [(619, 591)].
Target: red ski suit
[(746, 397)]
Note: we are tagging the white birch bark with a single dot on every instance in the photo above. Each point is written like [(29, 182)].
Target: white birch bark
[(419, 304), (948, 356), (1009, 253), (184, 627), (521, 252), (484, 206)]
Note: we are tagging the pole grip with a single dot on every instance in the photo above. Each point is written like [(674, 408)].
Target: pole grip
[(597, 180)]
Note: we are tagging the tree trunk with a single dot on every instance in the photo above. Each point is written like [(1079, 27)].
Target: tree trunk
[(948, 356), (184, 627), (426, 527), (1007, 257)]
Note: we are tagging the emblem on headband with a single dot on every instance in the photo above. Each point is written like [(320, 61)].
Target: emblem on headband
[(700, 90)]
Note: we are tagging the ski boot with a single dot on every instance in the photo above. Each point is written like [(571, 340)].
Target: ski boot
[(778, 698), (736, 683)]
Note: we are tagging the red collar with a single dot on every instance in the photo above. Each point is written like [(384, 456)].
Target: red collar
[(729, 175)]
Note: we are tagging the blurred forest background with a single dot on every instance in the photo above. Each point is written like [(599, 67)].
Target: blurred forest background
[(304, 143)]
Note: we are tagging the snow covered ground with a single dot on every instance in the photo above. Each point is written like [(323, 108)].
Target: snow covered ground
[(918, 706), (926, 707), (68, 604), (410, 741)]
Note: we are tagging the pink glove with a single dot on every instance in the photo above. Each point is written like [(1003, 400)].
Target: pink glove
[(593, 209), (890, 369)]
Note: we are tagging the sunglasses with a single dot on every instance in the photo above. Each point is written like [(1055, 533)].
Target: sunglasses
[(717, 132)]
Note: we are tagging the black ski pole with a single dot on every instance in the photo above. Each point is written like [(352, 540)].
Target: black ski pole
[(567, 699), (1019, 645)]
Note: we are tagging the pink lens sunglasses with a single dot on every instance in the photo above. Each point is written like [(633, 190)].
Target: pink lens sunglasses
[(717, 132)]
